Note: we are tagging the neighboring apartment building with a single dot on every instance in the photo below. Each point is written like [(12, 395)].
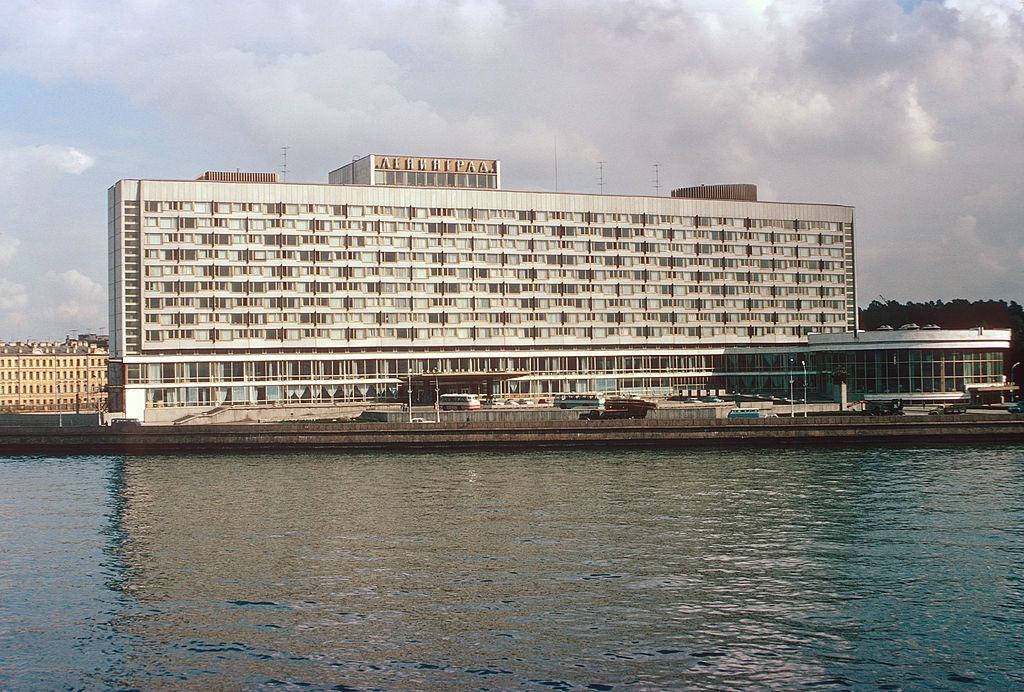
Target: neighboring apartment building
[(404, 271), (66, 376)]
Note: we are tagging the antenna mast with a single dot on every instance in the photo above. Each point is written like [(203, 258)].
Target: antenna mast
[(600, 175), (657, 180), (556, 163), (284, 163)]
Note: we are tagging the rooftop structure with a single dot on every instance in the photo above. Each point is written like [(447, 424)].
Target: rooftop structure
[(84, 344), (419, 171), (741, 192)]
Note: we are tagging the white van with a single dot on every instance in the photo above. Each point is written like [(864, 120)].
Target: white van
[(566, 401), (459, 402)]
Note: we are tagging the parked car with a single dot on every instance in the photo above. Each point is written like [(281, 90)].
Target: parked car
[(1016, 408), (884, 408), (125, 422), (947, 409), (620, 408), (569, 401)]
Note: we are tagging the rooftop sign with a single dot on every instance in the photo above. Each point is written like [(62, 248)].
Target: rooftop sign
[(410, 163)]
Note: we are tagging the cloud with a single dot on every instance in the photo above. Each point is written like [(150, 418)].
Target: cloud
[(57, 157), (8, 248), (45, 224), (67, 159), (29, 175), (13, 296), (911, 114), (78, 299), (965, 228), (921, 127)]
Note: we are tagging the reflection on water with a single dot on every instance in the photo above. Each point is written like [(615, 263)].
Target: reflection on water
[(542, 569), (55, 605)]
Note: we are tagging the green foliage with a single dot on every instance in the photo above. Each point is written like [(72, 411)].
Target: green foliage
[(956, 314), (839, 375)]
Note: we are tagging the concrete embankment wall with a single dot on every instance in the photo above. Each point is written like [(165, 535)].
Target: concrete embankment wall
[(254, 414), (223, 415), (394, 414), (532, 415), (299, 437), (50, 420)]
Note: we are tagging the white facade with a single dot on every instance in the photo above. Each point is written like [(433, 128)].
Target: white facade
[(250, 292), (902, 339)]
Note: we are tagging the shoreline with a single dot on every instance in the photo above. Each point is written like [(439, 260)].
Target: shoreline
[(299, 437)]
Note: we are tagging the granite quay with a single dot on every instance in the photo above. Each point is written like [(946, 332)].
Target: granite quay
[(304, 437)]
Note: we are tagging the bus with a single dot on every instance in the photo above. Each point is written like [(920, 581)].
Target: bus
[(744, 413), (565, 401), (459, 402)]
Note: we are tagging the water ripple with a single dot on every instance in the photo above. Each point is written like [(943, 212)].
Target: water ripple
[(886, 568)]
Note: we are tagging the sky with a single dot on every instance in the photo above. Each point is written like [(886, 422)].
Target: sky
[(912, 111)]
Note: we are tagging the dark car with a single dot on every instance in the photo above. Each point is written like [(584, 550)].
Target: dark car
[(885, 408), (125, 423)]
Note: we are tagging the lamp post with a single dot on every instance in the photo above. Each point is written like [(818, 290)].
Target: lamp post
[(792, 402), (1013, 381), (20, 385), (804, 365), (409, 391), (56, 386)]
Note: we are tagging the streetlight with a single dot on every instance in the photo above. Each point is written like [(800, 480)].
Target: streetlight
[(804, 365), (792, 402), (409, 388), (1013, 381), (54, 351)]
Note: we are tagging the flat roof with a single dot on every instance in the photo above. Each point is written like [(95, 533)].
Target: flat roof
[(481, 190)]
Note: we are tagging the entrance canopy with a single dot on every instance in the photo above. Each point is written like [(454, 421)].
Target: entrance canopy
[(481, 383)]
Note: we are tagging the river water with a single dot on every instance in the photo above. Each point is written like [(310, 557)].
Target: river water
[(619, 569)]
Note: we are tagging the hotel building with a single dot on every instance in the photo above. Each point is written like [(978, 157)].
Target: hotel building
[(238, 289)]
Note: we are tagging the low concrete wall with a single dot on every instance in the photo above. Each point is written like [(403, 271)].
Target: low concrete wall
[(393, 413), (49, 420), (301, 437), (291, 412), (530, 414), (257, 414)]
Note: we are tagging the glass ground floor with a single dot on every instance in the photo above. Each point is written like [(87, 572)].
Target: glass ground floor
[(928, 370)]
